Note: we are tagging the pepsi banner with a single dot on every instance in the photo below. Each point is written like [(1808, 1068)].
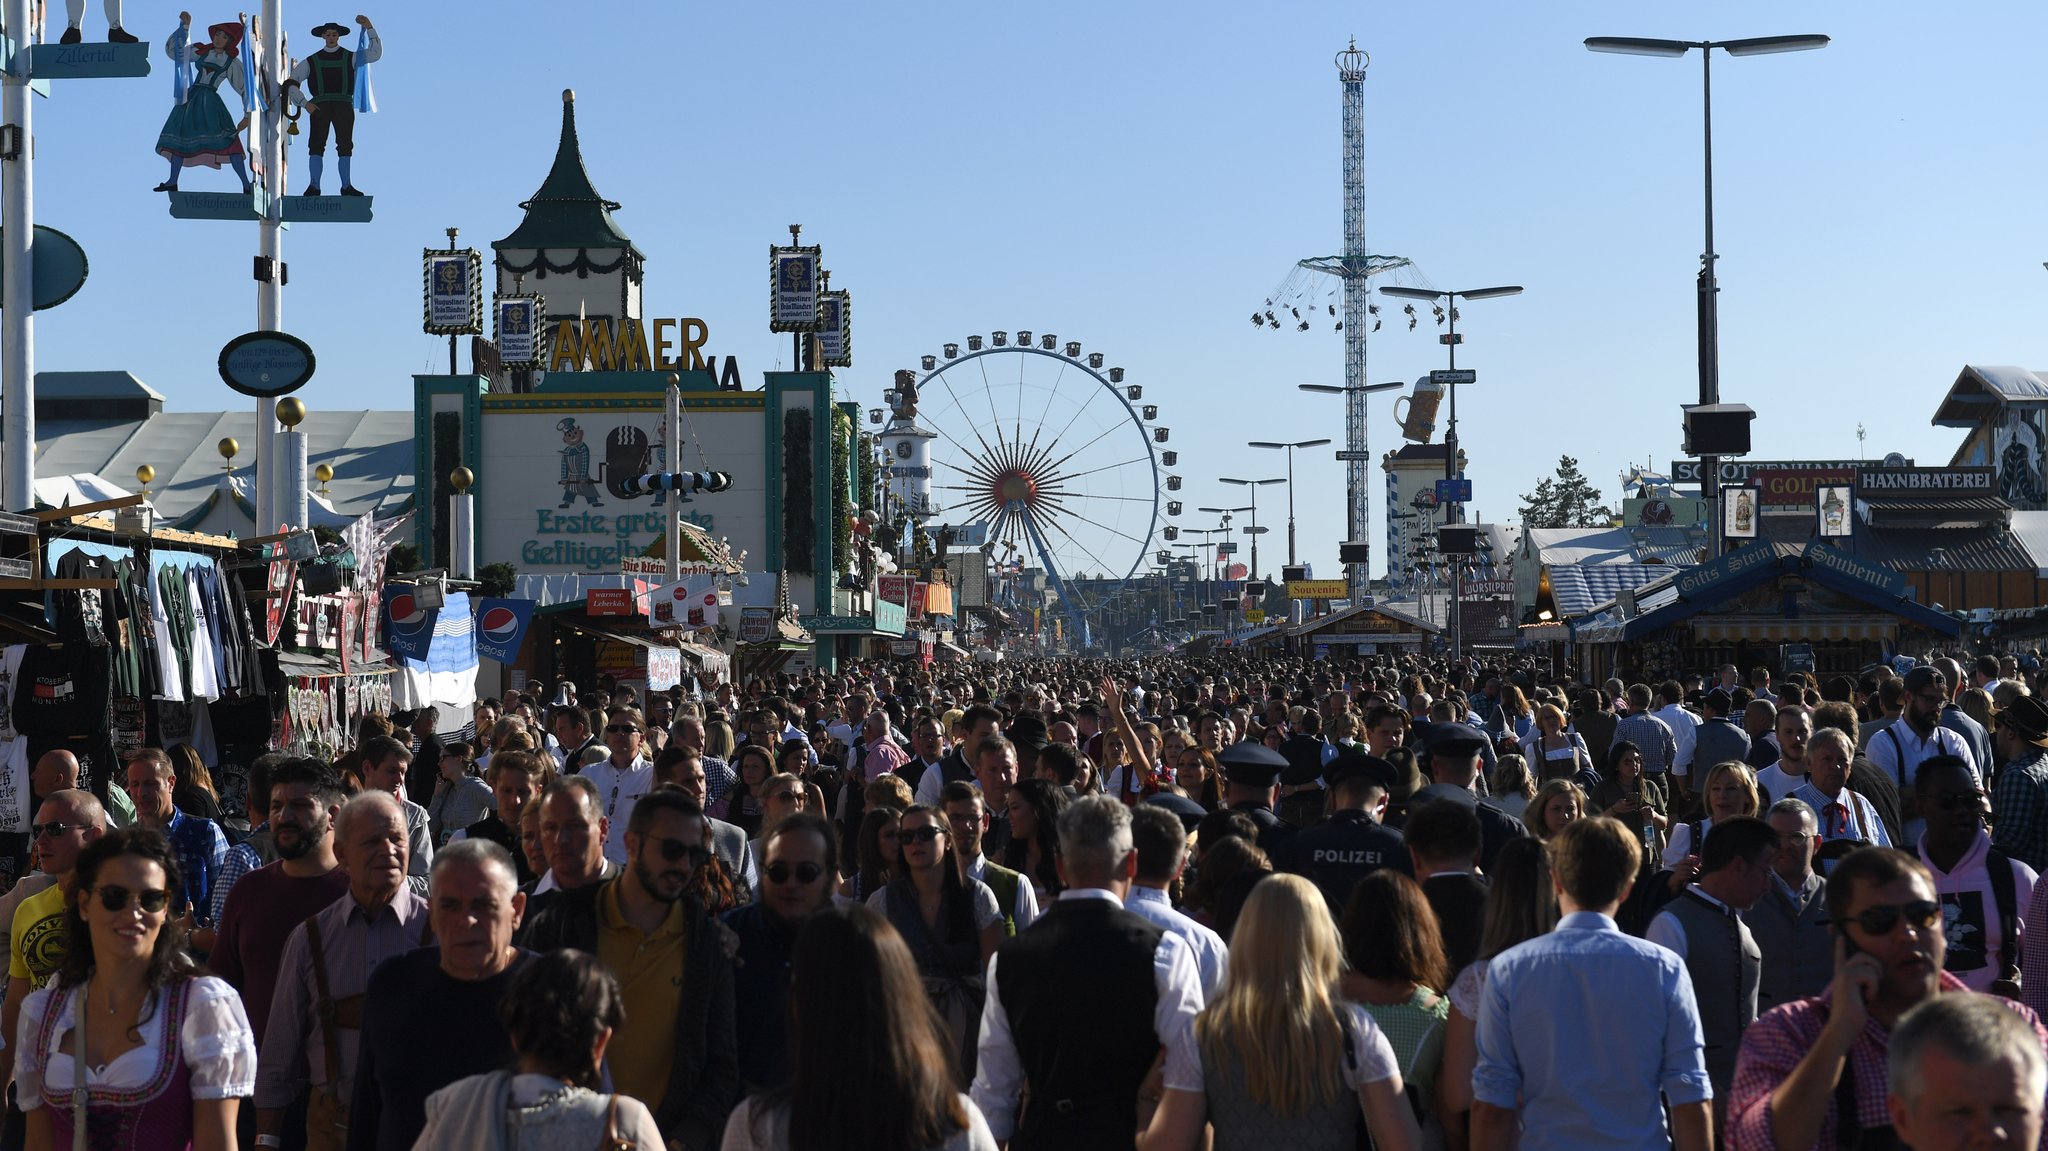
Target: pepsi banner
[(408, 627), (501, 628)]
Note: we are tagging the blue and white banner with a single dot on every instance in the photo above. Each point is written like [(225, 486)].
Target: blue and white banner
[(444, 671), (501, 628), (517, 331)]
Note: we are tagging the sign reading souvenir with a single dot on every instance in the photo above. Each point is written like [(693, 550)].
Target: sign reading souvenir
[(835, 329), (1831, 504), (519, 331), (501, 627), (455, 294), (1739, 507), (793, 288), (266, 364), (1926, 483), (609, 601), (1317, 589)]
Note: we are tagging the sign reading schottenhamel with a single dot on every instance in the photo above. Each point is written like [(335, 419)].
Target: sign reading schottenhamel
[(1924, 483)]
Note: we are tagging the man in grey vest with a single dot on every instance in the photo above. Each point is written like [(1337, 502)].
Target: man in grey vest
[(1790, 922), (1702, 926)]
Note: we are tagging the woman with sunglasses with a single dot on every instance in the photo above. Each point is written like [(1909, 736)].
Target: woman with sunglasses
[(951, 923), (168, 1053)]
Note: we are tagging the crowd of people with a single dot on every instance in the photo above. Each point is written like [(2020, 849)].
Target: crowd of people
[(1172, 903)]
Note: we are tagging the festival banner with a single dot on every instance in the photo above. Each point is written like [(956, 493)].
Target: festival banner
[(454, 286), (518, 331), (835, 329), (408, 627), (501, 628), (793, 288)]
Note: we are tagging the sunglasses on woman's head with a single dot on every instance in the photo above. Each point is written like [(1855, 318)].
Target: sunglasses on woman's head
[(114, 897), (1921, 913)]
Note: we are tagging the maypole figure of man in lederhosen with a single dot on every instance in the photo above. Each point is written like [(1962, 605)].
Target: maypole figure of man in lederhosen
[(324, 84), (74, 12)]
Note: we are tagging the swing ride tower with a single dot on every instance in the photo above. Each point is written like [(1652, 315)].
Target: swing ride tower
[(1355, 267)]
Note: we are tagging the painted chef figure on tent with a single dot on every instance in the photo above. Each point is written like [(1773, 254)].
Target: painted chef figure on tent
[(332, 85), (575, 454), (74, 14), (199, 130)]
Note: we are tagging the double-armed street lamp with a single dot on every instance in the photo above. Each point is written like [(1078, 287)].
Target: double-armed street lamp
[(1289, 448), (1709, 287)]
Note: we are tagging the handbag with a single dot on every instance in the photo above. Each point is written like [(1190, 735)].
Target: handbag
[(614, 1139), (326, 1109)]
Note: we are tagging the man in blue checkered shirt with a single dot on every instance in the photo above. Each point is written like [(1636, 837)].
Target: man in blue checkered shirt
[(1652, 736), (2019, 797), (199, 843)]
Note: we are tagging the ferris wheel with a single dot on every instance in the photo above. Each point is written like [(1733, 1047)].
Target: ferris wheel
[(1062, 460)]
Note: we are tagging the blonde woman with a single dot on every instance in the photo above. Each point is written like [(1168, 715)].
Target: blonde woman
[(1556, 804), (1552, 749), (1284, 1061), (1731, 792)]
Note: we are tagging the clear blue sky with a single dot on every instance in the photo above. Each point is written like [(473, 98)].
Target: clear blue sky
[(1140, 176)]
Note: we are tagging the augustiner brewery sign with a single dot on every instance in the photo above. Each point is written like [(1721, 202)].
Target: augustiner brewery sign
[(1924, 483)]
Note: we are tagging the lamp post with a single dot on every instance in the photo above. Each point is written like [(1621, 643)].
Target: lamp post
[(1223, 529), (1290, 481), (1358, 510), (1709, 286), (1454, 511), (1253, 531)]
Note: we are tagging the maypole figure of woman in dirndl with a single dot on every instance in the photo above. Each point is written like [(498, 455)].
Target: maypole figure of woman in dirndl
[(199, 129)]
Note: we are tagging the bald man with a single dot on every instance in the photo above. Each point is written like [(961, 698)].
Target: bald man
[(57, 771)]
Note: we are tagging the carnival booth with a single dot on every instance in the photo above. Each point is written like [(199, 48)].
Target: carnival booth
[(1743, 607), (1369, 629)]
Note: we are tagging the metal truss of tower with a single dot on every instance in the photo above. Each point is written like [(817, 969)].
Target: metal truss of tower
[(1356, 266)]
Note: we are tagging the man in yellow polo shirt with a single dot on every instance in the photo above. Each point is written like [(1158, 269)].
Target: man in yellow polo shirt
[(65, 823), (676, 1051)]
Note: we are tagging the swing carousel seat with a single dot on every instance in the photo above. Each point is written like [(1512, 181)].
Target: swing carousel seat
[(87, 61)]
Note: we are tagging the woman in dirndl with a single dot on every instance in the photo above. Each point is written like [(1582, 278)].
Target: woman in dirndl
[(199, 130)]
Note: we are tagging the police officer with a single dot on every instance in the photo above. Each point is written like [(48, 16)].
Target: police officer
[(1453, 751), (1351, 843), (1251, 773)]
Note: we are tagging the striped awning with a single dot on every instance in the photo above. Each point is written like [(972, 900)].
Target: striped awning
[(1778, 629)]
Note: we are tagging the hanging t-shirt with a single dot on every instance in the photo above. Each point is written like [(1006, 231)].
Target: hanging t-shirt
[(14, 786), (204, 642), (84, 613), (168, 622)]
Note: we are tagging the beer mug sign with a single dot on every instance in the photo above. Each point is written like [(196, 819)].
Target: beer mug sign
[(1418, 423)]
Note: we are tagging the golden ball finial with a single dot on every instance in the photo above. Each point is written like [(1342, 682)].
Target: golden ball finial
[(461, 479), (323, 472), (674, 379), (227, 447), (145, 475), (291, 411)]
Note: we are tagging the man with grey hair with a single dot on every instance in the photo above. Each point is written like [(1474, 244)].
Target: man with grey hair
[(1790, 923), (1080, 1004), (430, 1017), (305, 1073), (1965, 1071)]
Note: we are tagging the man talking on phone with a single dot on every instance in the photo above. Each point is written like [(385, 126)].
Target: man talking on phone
[(1812, 1073)]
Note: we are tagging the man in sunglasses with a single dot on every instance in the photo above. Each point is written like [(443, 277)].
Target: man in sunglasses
[(67, 821), (676, 1050), (621, 779), (1982, 890), (802, 857), (1812, 1072)]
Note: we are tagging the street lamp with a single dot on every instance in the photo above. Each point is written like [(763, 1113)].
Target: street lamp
[(1709, 286), (1253, 531), (1357, 510), (1290, 480), (1454, 509)]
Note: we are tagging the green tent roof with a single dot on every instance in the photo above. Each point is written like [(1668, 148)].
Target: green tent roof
[(567, 212)]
